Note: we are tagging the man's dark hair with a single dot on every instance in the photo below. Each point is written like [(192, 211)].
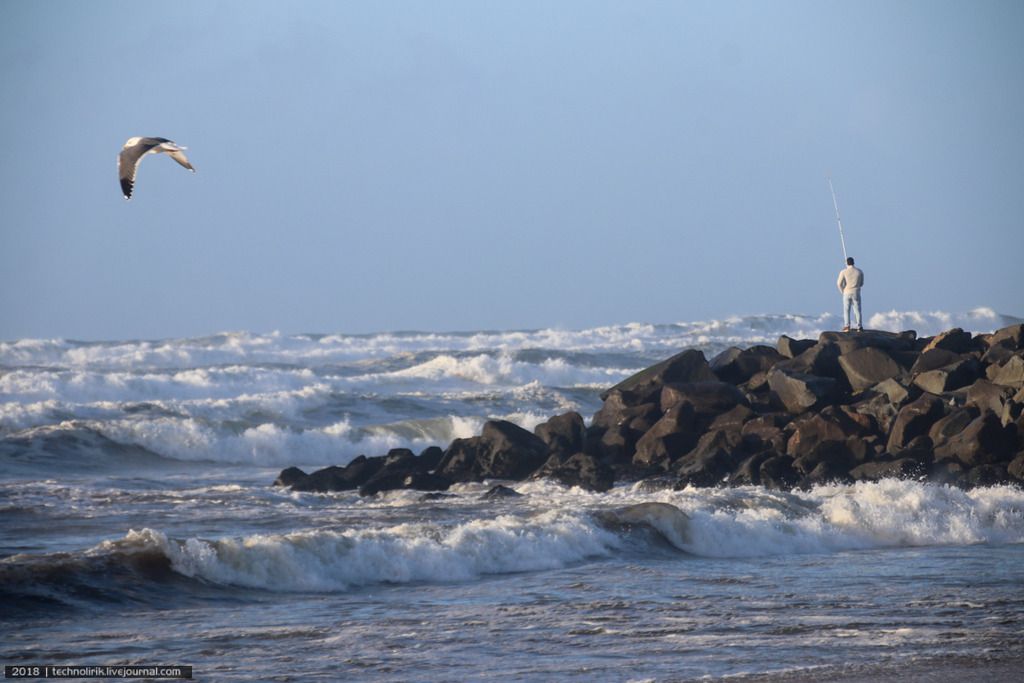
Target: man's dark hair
[(849, 261)]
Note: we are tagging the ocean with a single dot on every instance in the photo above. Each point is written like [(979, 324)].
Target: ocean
[(139, 524)]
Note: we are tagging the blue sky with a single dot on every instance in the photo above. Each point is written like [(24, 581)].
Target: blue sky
[(470, 165)]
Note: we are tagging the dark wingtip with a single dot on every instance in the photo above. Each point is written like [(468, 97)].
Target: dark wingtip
[(126, 188)]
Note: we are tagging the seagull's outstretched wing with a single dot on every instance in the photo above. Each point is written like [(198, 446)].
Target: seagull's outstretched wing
[(136, 148)]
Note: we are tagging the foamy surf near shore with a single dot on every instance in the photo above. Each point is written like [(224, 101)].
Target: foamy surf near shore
[(273, 399), (138, 521)]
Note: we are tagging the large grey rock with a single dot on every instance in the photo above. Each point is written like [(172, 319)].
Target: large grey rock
[(821, 360), (1012, 336), (414, 481), (502, 451), (900, 468), (800, 392), (645, 386), (715, 456), (1010, 373), (933, 360), (949, 378), (669, 439), (984, 441), (580, 470), (915, 419), (875, 339), (564, 434), (618, 410), (955, 340), (791, 348), (868, 366), (987, 395), (1016, 467), (736, 365), (707, 398), (829, 425), (898, 391), (778, 473), (952, 424)]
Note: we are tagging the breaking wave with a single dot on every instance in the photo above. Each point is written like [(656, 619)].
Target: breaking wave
[(274, 399), (549, 528)]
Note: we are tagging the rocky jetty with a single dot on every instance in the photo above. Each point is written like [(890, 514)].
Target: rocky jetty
[(848, 407)]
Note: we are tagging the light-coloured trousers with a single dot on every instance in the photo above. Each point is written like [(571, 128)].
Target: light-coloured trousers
[(851, 300)]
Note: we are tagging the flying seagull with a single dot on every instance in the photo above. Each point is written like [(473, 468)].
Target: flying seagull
[(136, 148)]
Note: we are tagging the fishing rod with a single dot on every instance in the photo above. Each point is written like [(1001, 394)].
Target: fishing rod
[(838, 219)]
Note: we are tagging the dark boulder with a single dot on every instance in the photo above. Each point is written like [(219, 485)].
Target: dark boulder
[(900, 468), (736, 365), (875, 339), (748, 472), (826, 472), (986, 395), (669, 439), (510, 452), (563, 434), (998, 354), (898, 391), (791, 348), (949, 378), (416, 481), (821, 360), (1009, 374), (800, 392), (733, 419), (333, 478), (707, 398), (992, 474), (459, 461), (952, 424), (645, 386), (1016, 467), (955, 340), (915, 419), (948, 473), (879, 408), (291, 476), (1011, 336), (430, 458), (617, 410), (864, 368), (777, 472), (834, 425), (714, 457), (401, 459), (982, 442), (500, 492), (920, 448), (582, 470), (617, 444), (768, 430), (835, 455), (933, 360)]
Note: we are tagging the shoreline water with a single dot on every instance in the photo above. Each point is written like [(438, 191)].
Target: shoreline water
[(139, 525)]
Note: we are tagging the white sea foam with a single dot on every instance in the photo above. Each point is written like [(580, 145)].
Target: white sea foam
[(752, 522), (304, 350), (279, 399), (555, 527), (336, 560)]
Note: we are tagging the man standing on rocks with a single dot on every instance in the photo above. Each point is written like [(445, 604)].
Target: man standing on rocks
[(851, 279)]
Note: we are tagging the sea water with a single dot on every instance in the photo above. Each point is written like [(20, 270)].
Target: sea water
[(138, 524)]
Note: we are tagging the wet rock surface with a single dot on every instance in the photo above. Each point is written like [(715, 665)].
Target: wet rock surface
[(843, 408)]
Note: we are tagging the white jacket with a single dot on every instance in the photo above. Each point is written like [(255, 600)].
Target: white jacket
[(851, 279)]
